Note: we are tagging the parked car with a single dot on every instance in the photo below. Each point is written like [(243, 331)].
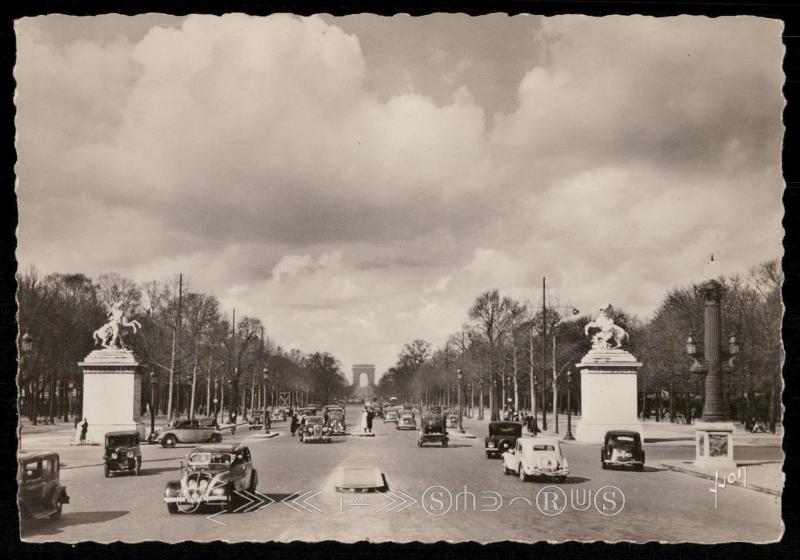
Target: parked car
[(315, 430), (377, 411), (536, 457), (122, 453), (502, 437), (256, 420), (40, 492), (210, 475), (432, 430), (307, 411), (188, 431), (406, 421), (622, 448), (336, 421), (278, 414), (452, 420), (391, 415)]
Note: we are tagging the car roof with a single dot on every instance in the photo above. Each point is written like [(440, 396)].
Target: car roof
[(123, 433), (30, 455), (539, 440), (219, 448), (621, 433)]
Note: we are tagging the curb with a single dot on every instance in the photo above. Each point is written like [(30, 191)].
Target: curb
[(709, 477), (466, 435)]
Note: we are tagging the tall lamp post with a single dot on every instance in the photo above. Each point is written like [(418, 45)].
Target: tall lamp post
[(480, 399), (714, 435), (26, 347), (460, 406), (265, 378), (152, 405), (569, 436)]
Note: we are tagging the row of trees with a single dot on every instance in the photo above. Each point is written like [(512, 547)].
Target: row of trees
[(519, 356), (202, 359)]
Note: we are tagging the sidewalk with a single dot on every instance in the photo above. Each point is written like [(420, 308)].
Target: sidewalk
[(760, 476), (653, 432)]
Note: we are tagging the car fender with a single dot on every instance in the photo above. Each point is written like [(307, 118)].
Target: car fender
[(172, 489)]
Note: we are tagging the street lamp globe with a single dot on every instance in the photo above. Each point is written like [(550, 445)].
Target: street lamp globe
[(691, 346), (27, 342), (733, 345), (460, 375), (265, 374), (152, 378)]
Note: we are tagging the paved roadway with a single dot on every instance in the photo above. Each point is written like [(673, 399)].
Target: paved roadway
[(658, 505)]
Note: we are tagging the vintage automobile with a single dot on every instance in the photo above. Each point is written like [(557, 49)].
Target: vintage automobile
[(122, 453), (336, 422), (536, 457), (433, 429), (256, 420), (315, 430), (435, 409), (502, 437), (622, 448), (40, 493), (278, 414), (406, 421), (452, 420), (391, 415), (306, 411), (187, 431), (377, 410), (211, 475)]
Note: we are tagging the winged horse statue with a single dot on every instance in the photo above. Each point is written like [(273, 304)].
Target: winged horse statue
[(601, 340), (109, 334)]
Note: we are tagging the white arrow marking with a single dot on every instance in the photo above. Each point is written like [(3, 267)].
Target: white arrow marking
[(291, 505), (388, 507), (405, 498), (305, 500)]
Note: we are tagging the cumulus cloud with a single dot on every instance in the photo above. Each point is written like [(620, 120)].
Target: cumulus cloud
[(356, 188)]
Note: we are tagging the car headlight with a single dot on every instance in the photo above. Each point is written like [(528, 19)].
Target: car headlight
[(130, 454), (113, 455)]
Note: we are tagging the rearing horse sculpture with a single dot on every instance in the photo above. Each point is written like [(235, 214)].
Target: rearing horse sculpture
[(608, 330), (109, 334)]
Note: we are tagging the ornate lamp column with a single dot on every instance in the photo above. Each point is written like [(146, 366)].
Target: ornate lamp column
[(460, 405), (714, 435), (265, 376), (569, 436)]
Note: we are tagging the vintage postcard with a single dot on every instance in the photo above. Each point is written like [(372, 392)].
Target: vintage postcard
[(439, 278)]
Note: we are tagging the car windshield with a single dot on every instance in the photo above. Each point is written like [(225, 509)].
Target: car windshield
[(123, 441), (314, 421), (622, 439), (544, 448), (505, 429), (204, 458)]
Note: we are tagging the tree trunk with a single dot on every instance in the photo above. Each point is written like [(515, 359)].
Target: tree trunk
[(532, 382), (516, 386), (194, 377), (208, 386), (171, 379)]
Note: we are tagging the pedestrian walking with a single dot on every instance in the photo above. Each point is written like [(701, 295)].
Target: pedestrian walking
[(233, 422), (370, 416), (293, 425), (364, 420), (84, 429)]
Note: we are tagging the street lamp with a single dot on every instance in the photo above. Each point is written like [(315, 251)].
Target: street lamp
[(460, 386), (265, 377), (569, 436), (152, 405), (26, 348), (480, 399)]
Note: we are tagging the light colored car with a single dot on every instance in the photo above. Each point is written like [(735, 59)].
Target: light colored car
[(406, 421), (390, 416), (536, 457), (189, 431)]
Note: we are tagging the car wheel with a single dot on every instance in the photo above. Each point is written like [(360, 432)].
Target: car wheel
[(172, 508), (506, 470), (57, 513), (253, 481), (604, 465), (105, 470), (640, 468), (562, 478), (521, 472), (216, 438), (169, 441)]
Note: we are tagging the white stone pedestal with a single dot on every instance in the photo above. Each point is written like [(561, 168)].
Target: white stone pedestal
[(714, 445), (112, 387), (608, 394)]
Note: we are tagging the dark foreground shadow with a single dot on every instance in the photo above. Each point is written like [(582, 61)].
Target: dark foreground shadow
[(35, 527)]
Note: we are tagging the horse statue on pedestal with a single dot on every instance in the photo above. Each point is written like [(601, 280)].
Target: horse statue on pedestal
[(109, 334), (608, 330)]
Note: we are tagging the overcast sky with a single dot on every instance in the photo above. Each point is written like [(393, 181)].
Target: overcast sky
[(355, 182)]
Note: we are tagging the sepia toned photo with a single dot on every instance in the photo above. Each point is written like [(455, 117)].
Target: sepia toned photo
[(394, 279)]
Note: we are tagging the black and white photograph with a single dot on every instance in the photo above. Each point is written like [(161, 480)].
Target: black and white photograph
[(399, 278)]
